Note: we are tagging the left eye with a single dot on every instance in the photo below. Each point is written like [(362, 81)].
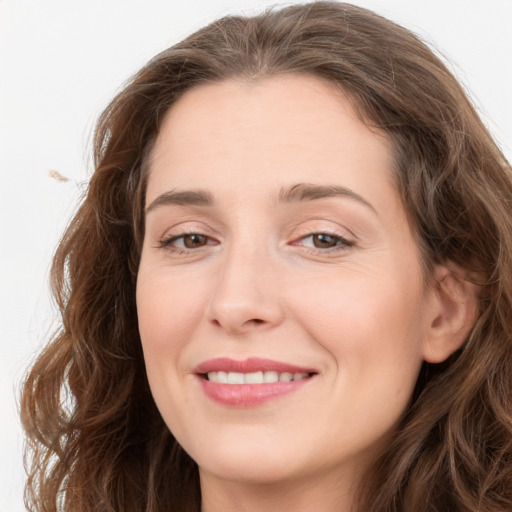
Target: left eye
[(324, 241)]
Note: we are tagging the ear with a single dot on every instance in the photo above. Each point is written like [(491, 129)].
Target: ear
[(452, 315)]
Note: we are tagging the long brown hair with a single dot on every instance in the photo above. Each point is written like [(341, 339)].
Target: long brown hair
[(95, 439)]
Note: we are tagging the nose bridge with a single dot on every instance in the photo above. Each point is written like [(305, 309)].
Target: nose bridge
[(246, 293)]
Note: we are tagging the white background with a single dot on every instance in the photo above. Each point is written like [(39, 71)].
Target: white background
[(61, 62)]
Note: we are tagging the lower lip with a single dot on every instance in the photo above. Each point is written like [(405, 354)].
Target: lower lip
[(249, 395)]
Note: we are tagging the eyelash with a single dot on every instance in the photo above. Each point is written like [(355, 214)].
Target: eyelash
[(166, 243), (341, 243)]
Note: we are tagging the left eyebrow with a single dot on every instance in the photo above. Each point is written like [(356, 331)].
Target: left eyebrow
[(310, 192)]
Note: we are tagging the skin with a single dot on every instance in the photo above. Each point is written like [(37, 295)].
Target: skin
[(256, 284)]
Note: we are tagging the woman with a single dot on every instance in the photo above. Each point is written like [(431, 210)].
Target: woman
[(288, 285)]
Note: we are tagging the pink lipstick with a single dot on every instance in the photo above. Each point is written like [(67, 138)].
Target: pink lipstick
[(250, 382)]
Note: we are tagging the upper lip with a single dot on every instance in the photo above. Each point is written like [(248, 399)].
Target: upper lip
[(252, 364)]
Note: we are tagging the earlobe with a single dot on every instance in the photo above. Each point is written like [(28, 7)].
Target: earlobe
[(454, 311)]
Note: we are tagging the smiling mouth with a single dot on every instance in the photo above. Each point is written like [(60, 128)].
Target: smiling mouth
[(250, 382), (259, 377)]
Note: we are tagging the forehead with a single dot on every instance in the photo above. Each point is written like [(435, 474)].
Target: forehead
[(279, 129)]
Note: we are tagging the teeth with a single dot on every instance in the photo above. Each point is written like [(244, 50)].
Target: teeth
[(236, 378), (269, 377), (254, 378)]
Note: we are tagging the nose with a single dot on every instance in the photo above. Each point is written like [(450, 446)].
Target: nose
[(246, 295)]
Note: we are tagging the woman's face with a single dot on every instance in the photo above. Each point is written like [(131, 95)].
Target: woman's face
[(277, 248)]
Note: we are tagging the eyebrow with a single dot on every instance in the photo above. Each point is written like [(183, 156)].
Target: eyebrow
[(183, 198), (310, 192), (296, 193)]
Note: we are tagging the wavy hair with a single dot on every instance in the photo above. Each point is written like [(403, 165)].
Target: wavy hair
[(95, 439)]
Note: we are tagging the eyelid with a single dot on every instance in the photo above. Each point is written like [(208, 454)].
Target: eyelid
[(184, 226), (167, 240), (323, 227), (345, 242), (344, 236), (182, 230), (346, 239)]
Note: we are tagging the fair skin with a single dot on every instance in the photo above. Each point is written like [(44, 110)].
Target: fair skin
[(287, 242)]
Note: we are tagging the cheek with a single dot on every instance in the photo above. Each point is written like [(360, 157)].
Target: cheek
[(168, 312), (370, 325), (373, 336)]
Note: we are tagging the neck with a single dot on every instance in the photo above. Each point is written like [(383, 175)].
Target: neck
[(323, 494)]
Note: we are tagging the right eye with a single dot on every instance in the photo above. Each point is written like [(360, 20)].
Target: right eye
[(186, 241)]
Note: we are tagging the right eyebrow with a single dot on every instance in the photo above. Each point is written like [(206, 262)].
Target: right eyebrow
[(185, 198)]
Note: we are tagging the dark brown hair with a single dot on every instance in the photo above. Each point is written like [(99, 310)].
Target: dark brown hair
[(96, 440)]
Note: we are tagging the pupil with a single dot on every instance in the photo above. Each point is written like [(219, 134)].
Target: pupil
[(192, 241), (324, 241)]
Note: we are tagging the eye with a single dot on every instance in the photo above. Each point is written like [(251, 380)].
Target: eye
[(324, 241), (187, 241), (193, 240)]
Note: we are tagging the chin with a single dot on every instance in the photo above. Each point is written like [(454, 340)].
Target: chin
[(250, 463)]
